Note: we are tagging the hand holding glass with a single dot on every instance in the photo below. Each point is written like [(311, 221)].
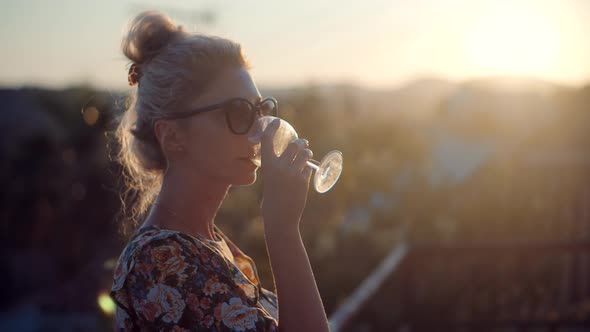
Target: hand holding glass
[(327, 171)]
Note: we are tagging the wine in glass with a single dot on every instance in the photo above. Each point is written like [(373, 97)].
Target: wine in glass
[(327, 171)]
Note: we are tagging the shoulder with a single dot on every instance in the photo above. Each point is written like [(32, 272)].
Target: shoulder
[(156, 249), (169, 278), (151, 256), (137, 245)]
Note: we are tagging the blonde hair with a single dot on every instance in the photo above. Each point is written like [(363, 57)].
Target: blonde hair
[(175, 66)]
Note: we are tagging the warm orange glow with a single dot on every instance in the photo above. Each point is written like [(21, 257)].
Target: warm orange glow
[(512, 41), (91, 115)]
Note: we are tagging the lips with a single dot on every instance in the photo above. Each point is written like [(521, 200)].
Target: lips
[(256, 161)]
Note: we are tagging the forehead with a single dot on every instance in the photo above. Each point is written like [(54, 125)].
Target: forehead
[(232, 82)]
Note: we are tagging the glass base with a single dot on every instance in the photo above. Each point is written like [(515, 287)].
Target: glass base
[(328, 172)]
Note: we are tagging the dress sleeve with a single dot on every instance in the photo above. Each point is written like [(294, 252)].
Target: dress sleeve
[(181, 286)]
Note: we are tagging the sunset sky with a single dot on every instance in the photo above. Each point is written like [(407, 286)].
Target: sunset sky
[(373, 43)]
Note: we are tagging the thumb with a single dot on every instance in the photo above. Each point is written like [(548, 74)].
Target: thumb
[(267, 152)]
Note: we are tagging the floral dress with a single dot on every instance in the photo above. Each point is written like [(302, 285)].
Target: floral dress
[(166, 280)]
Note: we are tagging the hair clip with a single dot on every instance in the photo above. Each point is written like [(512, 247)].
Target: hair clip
[(134, 74)]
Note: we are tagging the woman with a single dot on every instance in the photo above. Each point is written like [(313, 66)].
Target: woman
[(184, 143)]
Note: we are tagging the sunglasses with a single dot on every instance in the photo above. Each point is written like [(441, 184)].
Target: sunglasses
[(240, 113)]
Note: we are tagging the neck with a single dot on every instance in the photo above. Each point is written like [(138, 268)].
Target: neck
[(188, 203)]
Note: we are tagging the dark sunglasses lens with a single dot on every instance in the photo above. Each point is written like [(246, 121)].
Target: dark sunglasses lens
[(240, 116), (268, 107)]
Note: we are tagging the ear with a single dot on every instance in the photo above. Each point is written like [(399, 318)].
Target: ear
[(168, 134)]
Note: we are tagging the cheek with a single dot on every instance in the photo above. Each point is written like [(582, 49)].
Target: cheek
[(212, 150), (215, 149)]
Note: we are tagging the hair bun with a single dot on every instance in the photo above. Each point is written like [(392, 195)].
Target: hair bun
[(149, 32)]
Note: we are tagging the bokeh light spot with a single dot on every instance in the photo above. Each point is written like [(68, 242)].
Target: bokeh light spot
[(106, 304), (91, 115)]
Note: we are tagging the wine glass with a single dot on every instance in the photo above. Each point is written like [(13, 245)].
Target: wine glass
[(327, 171)]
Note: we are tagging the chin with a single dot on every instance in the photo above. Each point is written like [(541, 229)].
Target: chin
[(245, 179)]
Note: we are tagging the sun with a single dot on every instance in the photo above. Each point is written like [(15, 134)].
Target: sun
[(513, 42)]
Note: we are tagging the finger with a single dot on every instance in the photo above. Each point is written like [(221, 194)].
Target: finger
[(291, 150), (301, 159), (266, 146), (306, 172)]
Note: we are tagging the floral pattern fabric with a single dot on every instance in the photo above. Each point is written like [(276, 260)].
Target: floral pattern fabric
[(166, 280)]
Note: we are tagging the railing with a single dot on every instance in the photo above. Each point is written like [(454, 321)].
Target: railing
[(367, 288), (476, 265)]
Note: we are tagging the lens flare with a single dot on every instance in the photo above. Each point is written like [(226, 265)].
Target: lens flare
[(106, 304)]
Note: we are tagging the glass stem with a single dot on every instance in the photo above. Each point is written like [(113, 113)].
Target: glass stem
[(313, 164)]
